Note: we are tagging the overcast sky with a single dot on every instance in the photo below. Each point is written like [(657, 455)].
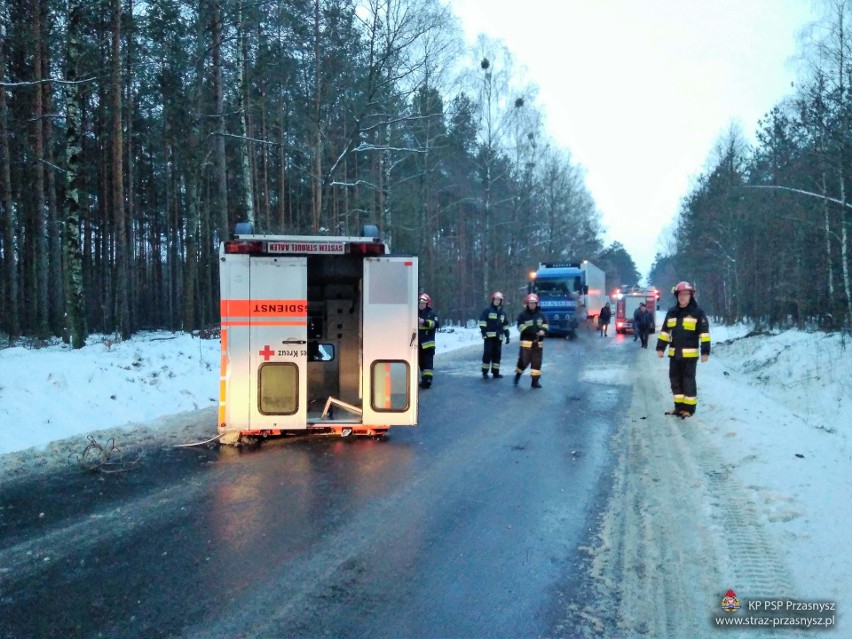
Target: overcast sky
[(640, 91)]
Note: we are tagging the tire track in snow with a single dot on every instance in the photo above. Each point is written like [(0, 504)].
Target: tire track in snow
[(679, 530)]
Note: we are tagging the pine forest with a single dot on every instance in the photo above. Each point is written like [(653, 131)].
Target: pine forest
[(134, 135)]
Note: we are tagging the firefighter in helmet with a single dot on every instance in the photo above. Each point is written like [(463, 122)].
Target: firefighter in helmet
[(427, 324), (532, 326), (494, 325), (686, 333)]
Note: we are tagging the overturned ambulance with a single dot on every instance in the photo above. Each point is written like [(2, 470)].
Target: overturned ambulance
[(319, 334)]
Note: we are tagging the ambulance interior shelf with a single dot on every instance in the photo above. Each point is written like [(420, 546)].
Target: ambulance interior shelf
[(331, 402)]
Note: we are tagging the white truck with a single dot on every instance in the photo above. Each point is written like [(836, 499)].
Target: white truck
[(595, 296), (318, 334)]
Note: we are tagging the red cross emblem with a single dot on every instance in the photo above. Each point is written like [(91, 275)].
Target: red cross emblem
[(267, 352)]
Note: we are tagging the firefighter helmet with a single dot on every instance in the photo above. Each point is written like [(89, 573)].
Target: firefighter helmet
[(532, 297), (496, 295), (425, 298), (683, 286)]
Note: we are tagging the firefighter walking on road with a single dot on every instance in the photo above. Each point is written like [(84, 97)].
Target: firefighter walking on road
[(686, 333), (494, 325), (427, 322), (532, 326)]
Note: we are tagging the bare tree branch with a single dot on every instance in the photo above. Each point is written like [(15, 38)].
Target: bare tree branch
[(800, 191), (13, 85)]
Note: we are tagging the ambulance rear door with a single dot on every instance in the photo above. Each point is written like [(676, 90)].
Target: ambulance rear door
[(389, 364), (278, 313)]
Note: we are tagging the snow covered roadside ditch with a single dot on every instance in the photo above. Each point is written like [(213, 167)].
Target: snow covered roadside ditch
[(155, 389), (751, 494)]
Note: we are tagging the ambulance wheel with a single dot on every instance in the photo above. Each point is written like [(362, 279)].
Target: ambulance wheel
[(381, 436)]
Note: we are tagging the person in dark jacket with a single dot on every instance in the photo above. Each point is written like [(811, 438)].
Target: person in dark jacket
[(532, 325), (636, 316), (686, 333), (494, 324), (428, 323), (604, 318), (643, 321)]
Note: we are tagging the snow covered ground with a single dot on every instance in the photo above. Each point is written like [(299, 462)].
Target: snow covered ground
[(751, 494), (776, 409)]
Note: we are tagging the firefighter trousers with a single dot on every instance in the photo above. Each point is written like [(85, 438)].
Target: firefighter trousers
[(530, 356), (682, 379), (492, 354), (425, 360)]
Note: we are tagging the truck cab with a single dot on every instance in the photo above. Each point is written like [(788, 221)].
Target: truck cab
[(568, 293)]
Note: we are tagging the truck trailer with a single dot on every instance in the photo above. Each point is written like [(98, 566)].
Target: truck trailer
[(568, 294), (595, 289), (318, 333)]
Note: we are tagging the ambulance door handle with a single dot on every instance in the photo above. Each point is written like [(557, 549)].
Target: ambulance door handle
[(413, 337), (294, 341)]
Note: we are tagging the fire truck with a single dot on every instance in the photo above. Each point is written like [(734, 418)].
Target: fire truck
[(318, 333), (627, 300)]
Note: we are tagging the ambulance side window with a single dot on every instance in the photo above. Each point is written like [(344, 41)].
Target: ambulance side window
[(278, 388), (389, 381)]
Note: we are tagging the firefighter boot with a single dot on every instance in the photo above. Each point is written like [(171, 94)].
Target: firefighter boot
[(536, 382), (517, 379), (496, 374), (484, 374)]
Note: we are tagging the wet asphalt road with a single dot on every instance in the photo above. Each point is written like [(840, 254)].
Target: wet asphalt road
[(468, 525)]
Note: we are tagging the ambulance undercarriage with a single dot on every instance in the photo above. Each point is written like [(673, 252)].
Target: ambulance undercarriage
[(318, 334)]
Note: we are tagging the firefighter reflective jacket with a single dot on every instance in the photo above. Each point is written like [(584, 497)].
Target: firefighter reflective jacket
[(494, 323), (426, 334), (529, 324), (685, 331)]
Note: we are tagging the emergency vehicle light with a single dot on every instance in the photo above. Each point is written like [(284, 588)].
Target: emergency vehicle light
[(243, 247), (367, 248)]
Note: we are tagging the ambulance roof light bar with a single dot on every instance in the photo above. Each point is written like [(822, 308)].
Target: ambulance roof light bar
[(245, 231), (243, 240), (242, 246)]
